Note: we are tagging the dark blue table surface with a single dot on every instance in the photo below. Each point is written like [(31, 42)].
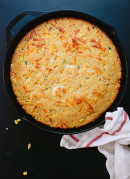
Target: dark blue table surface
[(46, 159)]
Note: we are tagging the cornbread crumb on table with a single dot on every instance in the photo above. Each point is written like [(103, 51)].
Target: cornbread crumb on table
[(65, 72)]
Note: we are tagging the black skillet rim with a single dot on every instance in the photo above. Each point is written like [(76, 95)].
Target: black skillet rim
[(109, 30)]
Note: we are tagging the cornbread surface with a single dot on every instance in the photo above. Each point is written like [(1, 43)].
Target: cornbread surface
[(65, 72)]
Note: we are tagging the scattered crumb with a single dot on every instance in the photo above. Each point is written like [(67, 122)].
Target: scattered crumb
[(29, 146), (25, 173), (6, 128), (17, 121)]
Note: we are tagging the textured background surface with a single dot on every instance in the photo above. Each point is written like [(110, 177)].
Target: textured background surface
[(45, 158)]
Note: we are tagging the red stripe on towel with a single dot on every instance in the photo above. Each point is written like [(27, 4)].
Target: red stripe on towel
[(122, 124), (119, 129), (109, 118), (73, 137)]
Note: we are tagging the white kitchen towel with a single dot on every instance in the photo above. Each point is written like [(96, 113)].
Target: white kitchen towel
[(112, 140)]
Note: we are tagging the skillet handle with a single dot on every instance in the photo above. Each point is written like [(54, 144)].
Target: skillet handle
[(17, 19), (110, 29)]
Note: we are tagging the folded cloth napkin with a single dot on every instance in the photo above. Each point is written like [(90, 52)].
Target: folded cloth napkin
[(112, 140)]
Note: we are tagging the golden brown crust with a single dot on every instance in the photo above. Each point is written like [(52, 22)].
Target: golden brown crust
[(65, 72)]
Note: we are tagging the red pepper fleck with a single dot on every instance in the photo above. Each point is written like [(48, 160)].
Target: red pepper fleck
[(64, 90), (61, 36), (59, 28), (37, 45), (36, 66), (74, 43), (27, 47), (93, 40), (118, 86), (119, 81), (38, 59), (64, 124), (49, 69), (81, 40), (90, 107), (35, 39), (45, 111), (58, 101), (76, 31), (79, 100), (95, 46), (31, 34), (50, 119), (35, 107), (55, 66), (50, 28)]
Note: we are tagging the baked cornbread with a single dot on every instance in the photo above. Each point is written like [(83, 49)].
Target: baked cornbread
[(65, 72)]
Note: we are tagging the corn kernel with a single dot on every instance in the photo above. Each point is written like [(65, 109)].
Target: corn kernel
[(25, 173), (71, 125), (29, 146), (21, 57), (53, 46), (83, 26), (50, 78), (43, 79), (81, 120), (53, 114), (82, 35), (56, 35), (17, 121)]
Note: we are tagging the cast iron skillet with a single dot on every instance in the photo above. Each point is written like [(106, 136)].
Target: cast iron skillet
[(12, 43)]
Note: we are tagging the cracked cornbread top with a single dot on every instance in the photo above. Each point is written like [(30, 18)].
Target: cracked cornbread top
[(65, 72)]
